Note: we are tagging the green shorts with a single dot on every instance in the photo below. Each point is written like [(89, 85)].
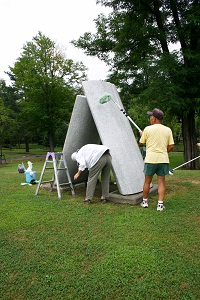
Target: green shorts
[(159, 169)]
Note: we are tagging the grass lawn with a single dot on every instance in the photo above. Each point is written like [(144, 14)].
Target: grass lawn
[(62, 249)]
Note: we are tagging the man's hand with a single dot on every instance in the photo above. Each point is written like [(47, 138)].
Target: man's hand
[(76, 176)]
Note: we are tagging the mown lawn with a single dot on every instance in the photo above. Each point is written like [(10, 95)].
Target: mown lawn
[(63, 249)]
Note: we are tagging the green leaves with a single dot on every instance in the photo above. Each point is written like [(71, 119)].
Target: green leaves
[(48, 82)]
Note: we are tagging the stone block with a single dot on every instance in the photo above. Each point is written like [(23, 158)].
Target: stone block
[(116, 132), (82, 130), (93, 123)]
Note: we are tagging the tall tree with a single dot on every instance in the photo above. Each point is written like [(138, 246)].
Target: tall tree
[(48, 83), (7, 124), (8, 114), (135, 40)]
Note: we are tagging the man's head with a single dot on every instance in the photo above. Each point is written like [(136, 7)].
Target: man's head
[(156, 113), (73, 156)]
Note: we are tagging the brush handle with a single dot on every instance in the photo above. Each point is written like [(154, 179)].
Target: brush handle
[(138, 128), (187, 162), (125, 113)]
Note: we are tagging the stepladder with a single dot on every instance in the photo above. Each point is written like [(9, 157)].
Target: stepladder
[(55, 162)]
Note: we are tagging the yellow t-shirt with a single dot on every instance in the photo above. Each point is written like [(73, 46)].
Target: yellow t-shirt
[(157, 138)]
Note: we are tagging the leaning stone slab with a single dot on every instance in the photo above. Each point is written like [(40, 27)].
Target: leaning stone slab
[(116, 132), (82, 130)]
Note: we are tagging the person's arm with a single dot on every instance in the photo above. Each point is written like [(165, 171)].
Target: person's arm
[(198, 144), (81, 165), (76, 176), (170, 148), (140, 139)]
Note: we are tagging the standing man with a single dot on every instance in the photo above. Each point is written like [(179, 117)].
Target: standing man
[(159, 142), (96, 158)]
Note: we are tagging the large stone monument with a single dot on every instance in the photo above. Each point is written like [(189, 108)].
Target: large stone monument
[(93, 122)]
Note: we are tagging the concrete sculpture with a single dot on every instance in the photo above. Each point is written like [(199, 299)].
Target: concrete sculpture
[(93, 122)]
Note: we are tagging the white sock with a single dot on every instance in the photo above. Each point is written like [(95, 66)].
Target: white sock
[(160, 201), (145, 200)]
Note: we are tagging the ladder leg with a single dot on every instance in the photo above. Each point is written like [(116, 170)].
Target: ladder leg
[(55, 158), (56, 177), (40, 180), (68, 176)]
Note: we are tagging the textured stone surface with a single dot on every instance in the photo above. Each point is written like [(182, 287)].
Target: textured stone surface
[(82, 130), (115, 132)]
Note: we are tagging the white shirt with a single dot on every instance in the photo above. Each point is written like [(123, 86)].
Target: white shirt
[(89, 155)]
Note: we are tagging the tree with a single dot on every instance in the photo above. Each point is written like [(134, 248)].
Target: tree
[(7, 124), (8, 114), (48, 83), (135, 40)]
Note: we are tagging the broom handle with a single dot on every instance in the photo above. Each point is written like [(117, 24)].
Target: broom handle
[(125, 113), (186, 163), (138, 128)]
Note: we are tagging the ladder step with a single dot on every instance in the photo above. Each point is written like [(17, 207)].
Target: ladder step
[(64, 184), (46, 181)]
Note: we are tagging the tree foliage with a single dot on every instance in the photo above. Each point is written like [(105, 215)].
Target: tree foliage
[(153, 50), (47, 83), (8, 114)]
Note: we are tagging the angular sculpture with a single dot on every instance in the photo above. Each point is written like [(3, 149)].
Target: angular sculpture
[(93, 122), (82, 130)]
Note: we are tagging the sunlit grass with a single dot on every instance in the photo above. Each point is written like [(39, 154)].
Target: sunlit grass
[(63, 249)]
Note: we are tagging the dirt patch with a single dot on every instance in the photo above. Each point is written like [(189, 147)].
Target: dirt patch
[(22, 158)]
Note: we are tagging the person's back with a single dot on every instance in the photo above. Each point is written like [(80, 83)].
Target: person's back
[(89, 154), (97, 159), (157, 140)]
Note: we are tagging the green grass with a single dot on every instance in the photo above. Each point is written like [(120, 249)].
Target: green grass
[(63, 249)]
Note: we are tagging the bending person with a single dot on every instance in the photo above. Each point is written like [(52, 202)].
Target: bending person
[(97, 159)]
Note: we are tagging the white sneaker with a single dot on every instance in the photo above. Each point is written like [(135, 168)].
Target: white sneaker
[(160, 206), (144, 204)]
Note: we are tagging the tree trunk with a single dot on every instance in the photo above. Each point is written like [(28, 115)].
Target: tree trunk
[(51, 142), (27, 143), (189, 140)]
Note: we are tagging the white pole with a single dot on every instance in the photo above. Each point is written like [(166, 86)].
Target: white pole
[(186, 163)]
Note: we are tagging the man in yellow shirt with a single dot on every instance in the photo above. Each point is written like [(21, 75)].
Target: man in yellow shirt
[(159, 142)]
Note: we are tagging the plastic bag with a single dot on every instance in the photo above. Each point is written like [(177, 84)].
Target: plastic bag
[(21, 168)]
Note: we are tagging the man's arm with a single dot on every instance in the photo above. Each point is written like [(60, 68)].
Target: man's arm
[(141, 132), (76, 176), (170, 148)]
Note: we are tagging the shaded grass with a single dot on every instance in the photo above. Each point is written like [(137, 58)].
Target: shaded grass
[(62, 249), (21, 152)]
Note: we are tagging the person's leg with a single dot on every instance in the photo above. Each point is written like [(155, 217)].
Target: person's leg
[(93, 176), (161, 193), (105, 175), (146, 188), (91, 183), (161, 188)]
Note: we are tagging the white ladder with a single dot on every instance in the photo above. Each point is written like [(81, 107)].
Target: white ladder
[(59, 163)]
